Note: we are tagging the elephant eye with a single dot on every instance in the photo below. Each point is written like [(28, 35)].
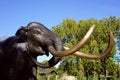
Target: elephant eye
[(37, 31)]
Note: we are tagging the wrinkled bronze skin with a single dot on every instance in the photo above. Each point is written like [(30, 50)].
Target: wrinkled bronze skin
[(15, 63)]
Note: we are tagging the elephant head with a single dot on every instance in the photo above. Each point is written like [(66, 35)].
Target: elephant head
[(45, 41)]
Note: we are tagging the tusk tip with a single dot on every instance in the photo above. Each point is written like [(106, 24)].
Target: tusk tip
[(93, 25), (111, 34)]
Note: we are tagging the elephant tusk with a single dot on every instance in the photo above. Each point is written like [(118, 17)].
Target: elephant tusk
[(100, 56), (74, 48)]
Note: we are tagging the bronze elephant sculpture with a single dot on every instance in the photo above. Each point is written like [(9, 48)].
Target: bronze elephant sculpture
[(18, 53)]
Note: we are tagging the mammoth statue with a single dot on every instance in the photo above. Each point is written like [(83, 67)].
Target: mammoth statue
[(18, 53)]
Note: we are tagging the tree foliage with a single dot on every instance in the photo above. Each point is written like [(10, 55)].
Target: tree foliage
[(71, 32)]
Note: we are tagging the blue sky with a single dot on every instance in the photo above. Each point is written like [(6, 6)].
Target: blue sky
[(16, 13)]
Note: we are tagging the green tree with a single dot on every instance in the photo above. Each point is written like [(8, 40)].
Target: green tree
[(71, 32)]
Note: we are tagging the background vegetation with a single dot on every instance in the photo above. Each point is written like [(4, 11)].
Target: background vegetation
[(71, 32)]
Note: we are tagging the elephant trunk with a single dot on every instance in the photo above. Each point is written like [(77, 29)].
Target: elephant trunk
[(52, 62)]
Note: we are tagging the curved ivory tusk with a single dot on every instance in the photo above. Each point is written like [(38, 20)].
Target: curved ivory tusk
[(74, 48), (100, 56)]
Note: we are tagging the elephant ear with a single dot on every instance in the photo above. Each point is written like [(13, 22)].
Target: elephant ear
[(22, 33)]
